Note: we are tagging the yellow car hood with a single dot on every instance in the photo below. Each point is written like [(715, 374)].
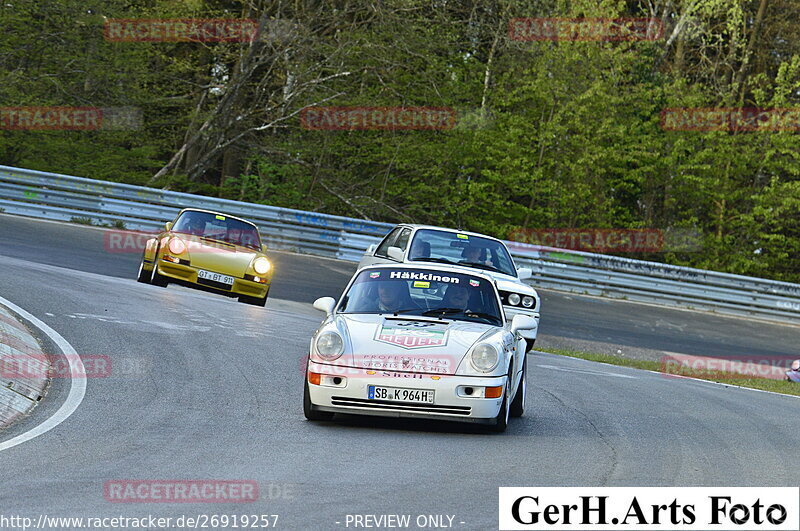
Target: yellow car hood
[(219, 257)]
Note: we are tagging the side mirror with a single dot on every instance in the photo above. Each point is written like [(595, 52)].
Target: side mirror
[(325, 304), (168, 226), (395, 253), (523, 322), (524, 273), (371, 249)]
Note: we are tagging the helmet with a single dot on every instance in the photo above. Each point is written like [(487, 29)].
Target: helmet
[(796, 365)]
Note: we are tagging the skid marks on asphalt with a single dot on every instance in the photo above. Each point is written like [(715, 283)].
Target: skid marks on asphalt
[(586, 371), (190, 321)]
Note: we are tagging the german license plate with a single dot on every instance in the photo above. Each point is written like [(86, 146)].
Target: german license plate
[(216, 277), (396, 394)]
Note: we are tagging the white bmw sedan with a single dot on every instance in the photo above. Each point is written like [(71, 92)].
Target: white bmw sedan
[(418, 341), (426, 244)]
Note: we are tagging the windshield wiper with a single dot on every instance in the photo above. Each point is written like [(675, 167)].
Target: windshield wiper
[(492, 318), (479, 265), (442, 311), (438, 260)]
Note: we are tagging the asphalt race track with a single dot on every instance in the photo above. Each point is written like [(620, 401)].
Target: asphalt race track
[(302, 278), (207, 388)]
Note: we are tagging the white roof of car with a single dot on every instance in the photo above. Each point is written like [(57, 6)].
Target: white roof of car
[(446, 229)]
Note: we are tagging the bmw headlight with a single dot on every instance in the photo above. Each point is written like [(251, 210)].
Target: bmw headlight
[(513, 299), (262, 265), (527, 301), (484, 357), (177, 246), (329, 345)]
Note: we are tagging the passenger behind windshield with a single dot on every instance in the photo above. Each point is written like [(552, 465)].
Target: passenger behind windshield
[(456, 297)]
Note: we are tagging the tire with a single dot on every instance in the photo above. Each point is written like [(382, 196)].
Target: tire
[(255, 301), (309, 410), (157, 279), (143, 276), (518, 404), (501, 420), (529, 345)]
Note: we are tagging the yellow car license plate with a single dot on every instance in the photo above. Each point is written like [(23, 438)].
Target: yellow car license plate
[(215, 277)]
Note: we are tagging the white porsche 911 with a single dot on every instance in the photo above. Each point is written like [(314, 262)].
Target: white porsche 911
[(418, 341)]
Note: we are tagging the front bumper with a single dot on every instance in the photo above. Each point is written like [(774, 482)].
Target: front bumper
[(450, 401), (187, 273)]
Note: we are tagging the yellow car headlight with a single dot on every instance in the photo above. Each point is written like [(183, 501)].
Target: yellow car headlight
[(177, 246), (262, 265)]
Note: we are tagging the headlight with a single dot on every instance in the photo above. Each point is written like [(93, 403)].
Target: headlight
[(513, 299), (262, 265), (176, 246), (484, 357), (527, 301), (330, 345)]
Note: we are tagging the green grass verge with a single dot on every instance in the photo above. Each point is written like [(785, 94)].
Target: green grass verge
[(776, 386)]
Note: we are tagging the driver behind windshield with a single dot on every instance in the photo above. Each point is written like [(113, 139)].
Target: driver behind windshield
[(472, 254), (191, 224)]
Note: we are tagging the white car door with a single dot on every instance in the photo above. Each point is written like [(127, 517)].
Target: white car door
[(398, 237)]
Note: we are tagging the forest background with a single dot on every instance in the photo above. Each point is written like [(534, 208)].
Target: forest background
[(548, 133)]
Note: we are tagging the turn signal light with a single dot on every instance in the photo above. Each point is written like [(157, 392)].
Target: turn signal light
[(494, 392), (314, 378)]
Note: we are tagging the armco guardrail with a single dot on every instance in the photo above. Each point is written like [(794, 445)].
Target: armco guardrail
[(63, 197)]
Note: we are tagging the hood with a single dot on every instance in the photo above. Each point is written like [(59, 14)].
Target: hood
[(219, 257), (409, 343), (507, 283)]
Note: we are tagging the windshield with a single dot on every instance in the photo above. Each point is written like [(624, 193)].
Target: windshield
[(441, 294), (431, 245), (218, 227)]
